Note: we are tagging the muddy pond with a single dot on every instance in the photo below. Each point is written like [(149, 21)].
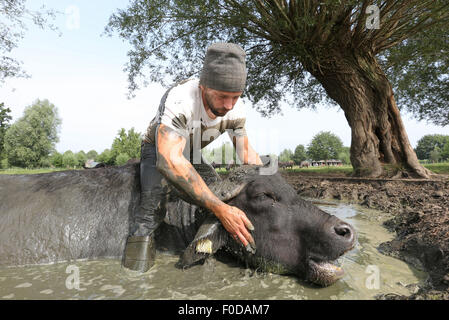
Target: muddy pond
[(367, 273)]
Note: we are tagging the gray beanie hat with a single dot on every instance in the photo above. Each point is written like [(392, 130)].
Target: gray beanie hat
[(224, 68)]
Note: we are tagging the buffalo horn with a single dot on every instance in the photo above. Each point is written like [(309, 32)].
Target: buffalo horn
[(228, 195)]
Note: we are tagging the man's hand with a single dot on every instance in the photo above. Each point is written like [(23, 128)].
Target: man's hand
[(180, 172), (236, 223)]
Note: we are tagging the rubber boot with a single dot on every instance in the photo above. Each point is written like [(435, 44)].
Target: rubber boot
[(140, 253)]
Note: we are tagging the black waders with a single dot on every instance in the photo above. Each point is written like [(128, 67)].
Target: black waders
[(140, 249)]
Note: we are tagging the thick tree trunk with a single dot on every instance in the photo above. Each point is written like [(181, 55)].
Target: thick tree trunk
[(380, 145)]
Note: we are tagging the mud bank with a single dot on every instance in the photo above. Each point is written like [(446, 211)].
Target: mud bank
[(417, 210)]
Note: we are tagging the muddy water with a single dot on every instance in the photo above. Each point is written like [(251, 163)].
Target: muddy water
[(367, 273)]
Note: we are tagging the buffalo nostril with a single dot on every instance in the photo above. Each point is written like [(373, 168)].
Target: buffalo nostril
[(343, 230)]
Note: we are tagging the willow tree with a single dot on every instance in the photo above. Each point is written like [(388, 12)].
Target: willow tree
[(303, 52)]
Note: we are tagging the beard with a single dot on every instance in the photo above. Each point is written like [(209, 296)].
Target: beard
[(216, 111)]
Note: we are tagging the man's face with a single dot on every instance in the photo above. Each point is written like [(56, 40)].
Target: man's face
[(220, 102)]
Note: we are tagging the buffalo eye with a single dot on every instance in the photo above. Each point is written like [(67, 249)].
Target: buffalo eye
[(264, 196), (260, 197)]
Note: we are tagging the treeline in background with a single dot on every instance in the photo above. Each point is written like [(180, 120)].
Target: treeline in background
[(30, 142)]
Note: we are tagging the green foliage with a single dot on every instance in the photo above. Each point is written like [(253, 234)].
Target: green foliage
[(300, 154), (81, 158), (92, 154), (344, 156), (69, 160), (33, 137), (170, 38), (4, 164), (286, 42), (106, 157), (435, 155), (285, 155), (126, 143), (445, 152), (325, 146), (428, 143), (418, 68), (4, 125), (56, 160), (44, 163), (121, 159)]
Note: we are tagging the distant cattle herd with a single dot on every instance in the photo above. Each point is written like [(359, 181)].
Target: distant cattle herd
[(321, 163), (306, 164), (287, 164)]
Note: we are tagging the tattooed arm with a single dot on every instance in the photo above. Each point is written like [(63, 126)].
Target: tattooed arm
[(179, 171)]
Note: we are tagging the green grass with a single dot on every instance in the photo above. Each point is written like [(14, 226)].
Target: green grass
[(30, 171), (322, 170), (440, 168), (221, 170)]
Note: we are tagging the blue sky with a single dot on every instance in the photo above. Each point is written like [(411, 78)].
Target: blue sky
[(81, 73)]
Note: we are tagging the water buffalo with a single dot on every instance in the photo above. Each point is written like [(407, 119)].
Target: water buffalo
[(72, 215), (304, 164), (286, 164)]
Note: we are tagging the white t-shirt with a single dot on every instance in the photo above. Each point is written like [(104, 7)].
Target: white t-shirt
[(182, 110)]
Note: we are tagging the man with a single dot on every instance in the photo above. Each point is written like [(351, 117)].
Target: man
[(188, 113)]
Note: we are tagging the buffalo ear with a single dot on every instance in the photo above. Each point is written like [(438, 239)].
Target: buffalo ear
[(210, 237)]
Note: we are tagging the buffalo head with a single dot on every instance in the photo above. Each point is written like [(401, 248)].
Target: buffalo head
[(292, 235)]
